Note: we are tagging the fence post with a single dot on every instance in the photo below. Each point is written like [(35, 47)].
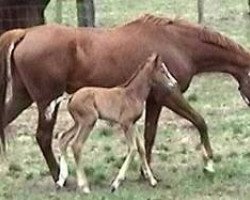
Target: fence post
[(58, 11), (85, 12), (200, 6)]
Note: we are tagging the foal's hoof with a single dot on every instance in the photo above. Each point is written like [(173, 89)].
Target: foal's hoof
[(209, 173), (114, 186), (153, 183), (84, 190), (112, 189)]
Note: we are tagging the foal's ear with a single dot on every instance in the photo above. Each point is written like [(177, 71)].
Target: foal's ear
[(157, 60)]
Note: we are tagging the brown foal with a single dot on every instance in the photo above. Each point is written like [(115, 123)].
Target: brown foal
[(123, 105)]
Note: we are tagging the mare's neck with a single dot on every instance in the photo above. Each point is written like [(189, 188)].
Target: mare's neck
[(139, 87), (217, 59)]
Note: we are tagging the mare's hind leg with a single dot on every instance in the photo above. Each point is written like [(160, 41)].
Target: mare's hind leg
[(131, 142), (44, 134), (19, 101)]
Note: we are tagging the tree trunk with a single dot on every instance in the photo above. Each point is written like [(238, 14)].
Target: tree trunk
[(58, 11), (85, 12), (200, 5), (249, 7)]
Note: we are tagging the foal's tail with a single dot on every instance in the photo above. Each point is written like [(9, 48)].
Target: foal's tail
[(8, 40)]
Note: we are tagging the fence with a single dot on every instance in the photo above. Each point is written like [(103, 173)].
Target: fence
[(222, 14), (20, 16)]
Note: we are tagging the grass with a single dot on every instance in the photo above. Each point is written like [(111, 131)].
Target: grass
[(24, 175)]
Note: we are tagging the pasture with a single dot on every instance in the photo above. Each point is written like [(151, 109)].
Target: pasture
[(24, 174)]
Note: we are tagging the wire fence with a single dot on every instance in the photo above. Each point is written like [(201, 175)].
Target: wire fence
[(223, 14), (20, 16)]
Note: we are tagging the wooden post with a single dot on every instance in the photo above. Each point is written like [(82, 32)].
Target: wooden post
[(58, 11), (85, 12), (249, 7), (200, 6)]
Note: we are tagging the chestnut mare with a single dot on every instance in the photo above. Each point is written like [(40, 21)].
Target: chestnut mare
[(121, 104), (44, 61)]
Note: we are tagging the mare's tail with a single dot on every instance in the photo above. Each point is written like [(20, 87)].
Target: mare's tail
[(8, 41)]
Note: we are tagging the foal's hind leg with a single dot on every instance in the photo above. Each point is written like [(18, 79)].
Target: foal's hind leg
[(82, 135), (64, 140), (130, 137)]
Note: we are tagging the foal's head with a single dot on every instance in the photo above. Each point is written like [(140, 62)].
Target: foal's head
[(159, 74)]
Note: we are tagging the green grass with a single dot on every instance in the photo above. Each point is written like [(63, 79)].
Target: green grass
[(24, 175)]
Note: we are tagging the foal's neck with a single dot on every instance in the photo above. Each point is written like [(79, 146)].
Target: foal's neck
[(139, 87)]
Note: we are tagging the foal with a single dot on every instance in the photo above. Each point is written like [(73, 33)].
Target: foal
[(123, 105)]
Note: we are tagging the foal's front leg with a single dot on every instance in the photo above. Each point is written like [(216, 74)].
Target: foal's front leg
[(145, 166), (131, 142)]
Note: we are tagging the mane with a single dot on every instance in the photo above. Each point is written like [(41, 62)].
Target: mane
[(206, 35), (132, 77)]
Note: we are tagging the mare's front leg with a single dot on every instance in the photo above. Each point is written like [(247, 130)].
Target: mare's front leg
[(176, 102), (152, 114), (44, 135)]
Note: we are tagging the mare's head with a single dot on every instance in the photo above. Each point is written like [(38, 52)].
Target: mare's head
[(159, 73), (244, 87)]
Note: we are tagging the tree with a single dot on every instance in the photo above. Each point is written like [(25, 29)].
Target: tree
[(249, 6), (85, 12), (21, 13), (200, 5)]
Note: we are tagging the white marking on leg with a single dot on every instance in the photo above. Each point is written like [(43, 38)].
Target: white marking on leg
[(51, 107), (64, 173), (9, 73), (50, 110)]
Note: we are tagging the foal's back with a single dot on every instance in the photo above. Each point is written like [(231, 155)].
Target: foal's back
[(106, 103)]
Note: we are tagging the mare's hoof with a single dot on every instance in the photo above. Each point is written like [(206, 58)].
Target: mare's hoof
[(208, 170), (70, 184), (209, 173), (58, 187)]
